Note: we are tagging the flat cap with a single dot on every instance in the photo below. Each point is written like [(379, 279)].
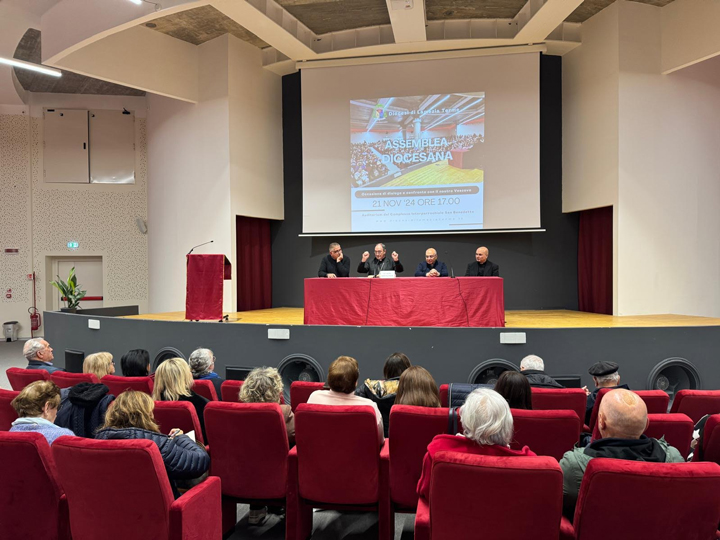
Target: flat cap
[(600, 369)]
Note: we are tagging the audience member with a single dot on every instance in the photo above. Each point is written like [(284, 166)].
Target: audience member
[(342, 379), (515, 388), (39, 355), (131, 417), (84, 407), (135, 363), (487, 430), (383, 392), (417, 387), (622, 420), (99, 364), (36, 406), (202, 366), (533, 368), (173, 382), (605, 375)]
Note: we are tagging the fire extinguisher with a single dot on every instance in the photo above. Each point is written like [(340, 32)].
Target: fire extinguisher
[(35, 319)]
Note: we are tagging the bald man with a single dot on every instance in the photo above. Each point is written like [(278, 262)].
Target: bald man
[(482, 267), (622, 420), (431, 267)]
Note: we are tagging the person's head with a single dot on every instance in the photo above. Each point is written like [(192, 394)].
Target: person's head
[(100, 364), (605, 374), (417, 387), (380, 252), (622, 415), (481, 254), (343, 375), (131, 409), (135, 363), (430, 256), (262, 385), (486, 418), (172, 380), (395, 364), (532, 361), (515, 388), (38, 349), (202, 362), (335, 250), (39, 399)]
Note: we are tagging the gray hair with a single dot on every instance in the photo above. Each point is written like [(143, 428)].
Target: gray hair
[(332, 246), (200, 361), (486, 418), (262, 385), (532, 361), (613, 377), (32, 347)]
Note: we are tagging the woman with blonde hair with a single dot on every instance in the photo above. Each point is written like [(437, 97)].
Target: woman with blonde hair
[(131, 417), (173, 382), (37, 406), (417, 387), (99, 364)]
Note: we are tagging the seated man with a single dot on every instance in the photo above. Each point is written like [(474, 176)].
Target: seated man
[(380, 262), (334, 264), (431, 267), (622, 419), (605, 375), (533, 368), (481, 266), (39, 355)]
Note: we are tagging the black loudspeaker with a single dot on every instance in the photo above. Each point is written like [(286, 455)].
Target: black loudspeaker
[(672, 375), (569, 381), (166, 353), (74, 361), (299, 367), (237, 373), (488, 372)]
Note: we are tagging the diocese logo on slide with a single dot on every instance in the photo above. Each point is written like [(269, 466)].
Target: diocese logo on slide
[(416, 162)]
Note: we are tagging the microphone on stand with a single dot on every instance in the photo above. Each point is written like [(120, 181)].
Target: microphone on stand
[(193, 249), (452, 272)]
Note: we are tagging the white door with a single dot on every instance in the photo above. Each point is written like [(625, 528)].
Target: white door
[(89, 276)]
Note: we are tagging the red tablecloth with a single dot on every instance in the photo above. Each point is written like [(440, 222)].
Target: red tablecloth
[(464, 301)]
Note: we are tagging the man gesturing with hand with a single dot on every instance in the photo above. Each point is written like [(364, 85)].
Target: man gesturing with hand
[(380, 262)]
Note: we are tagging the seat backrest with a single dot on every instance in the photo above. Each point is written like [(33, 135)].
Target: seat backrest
[(249, 448), (412, 429), (65, 380), (177, 414), (338, 453), (30, 494), (462, 484), (118, 385), (118, 485), (553, 399), (656, 401), (205, 388), (230, 390), (300, 392), (711, 440), (676, 428), (19, 378), (696, 403), (7, 413), (662, 501), (547, 433), (444, 394), (596, 408)]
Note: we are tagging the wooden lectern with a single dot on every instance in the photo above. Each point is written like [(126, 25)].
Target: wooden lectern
[(204, 293)]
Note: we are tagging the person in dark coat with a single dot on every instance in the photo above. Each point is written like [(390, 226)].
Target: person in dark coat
[(533, 368), (202, 366), (173, 382), (605, 375), (84, 408), (481, 266), (334, 264)]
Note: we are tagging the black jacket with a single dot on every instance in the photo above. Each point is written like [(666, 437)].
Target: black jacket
[(374, 267), (487, 269), (538, 379), (83, 408), (383, 393), (331, 266)]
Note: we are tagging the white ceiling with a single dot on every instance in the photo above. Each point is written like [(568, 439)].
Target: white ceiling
[(33, 7)]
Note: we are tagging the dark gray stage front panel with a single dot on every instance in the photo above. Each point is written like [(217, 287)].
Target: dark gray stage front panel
[(450, 354)]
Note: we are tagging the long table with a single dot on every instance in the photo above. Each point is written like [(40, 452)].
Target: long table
[(462, 301)]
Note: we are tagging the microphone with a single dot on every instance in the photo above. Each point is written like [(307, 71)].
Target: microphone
[(376, 271), (193, 249), (452, 272)]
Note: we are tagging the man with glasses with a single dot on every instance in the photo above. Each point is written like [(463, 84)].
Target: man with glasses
[(431, 267), (380, 262), (334, 264)]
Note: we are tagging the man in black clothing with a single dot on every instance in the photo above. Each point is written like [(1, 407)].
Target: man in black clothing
[(533, 368), (605, 375), (335, 264), (380, 262), (481, 266)]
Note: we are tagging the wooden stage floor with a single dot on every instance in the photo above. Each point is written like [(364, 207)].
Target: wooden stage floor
[(514, 319)]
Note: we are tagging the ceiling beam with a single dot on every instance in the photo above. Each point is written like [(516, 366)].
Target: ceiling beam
[(538, 18), (407, 18)]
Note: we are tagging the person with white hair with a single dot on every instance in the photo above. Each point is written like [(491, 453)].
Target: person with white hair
[(533, 367), (202, 366), (39, 355), (487, 430)]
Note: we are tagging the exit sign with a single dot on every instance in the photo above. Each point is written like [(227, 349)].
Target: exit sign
[(73, 245)]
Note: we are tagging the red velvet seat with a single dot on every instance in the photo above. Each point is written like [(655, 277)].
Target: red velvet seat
[(696, 403), (547, 433), (19, 378), (554, 399), (7, 413), (32, 504), (710, 441), (230, 390), (249, 454), (475, 496), (205, 388), (65, 379), (656, 401), (300, 392), (118, 385), (177, 414), (662, 501), (676, 428), (118, 489), (335, 465), (444, 388)]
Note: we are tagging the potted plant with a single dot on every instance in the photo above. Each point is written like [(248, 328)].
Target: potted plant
[(70, 291)]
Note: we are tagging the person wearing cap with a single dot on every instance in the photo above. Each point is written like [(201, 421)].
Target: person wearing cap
[(605, 375)]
